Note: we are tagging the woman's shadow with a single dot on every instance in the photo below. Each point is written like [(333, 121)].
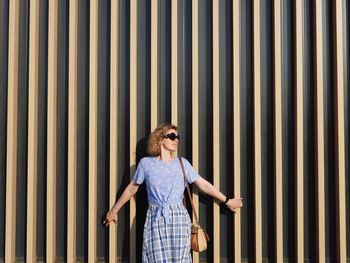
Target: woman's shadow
[(141, 205), (141, 201)]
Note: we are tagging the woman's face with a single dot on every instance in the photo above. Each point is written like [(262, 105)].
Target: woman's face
[(170, 140)]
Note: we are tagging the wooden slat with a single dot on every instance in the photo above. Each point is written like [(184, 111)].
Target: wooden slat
[(320, 158), (340, 131), (257, 132), (133, 121), (195, 106), (113, 122), (93, 112), (72, 131), (51, 132), (236, 125), (299, 69), (278, 132), (154, 64), (33, 83), (216, 130), (12, 119), (174, 60)]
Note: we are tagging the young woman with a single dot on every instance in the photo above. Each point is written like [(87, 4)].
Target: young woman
[(167, 229)]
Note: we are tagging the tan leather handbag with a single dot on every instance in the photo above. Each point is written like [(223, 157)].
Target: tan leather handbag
[(199, 236)]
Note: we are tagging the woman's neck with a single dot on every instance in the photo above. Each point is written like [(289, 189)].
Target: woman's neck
[(165, 156)]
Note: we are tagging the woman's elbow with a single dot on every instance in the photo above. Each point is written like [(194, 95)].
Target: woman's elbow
[(204, 187), (133, 187)]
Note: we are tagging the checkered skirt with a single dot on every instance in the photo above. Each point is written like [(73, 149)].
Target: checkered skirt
[(167, 240)]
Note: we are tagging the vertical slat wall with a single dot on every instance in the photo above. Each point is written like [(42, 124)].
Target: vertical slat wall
[(278, 193), (216, 131), (236, 124), (174, 60), (72, 130), (195, 105), (52, 132), (340, 131), (33, 100), (154, 64), (133, 120), (246, 20), (12, 118), (320, 158), (93, 105), (257, 129), (114, 103), (299, 120)]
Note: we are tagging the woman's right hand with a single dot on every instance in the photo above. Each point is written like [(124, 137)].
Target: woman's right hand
[(234, 204), (111, 217)]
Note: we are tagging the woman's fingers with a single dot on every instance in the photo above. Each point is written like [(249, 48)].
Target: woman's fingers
[(106, 223), (110, 218), (234, 204), (238, 202)]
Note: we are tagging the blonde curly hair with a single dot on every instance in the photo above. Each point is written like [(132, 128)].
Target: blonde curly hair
[(156, 136)]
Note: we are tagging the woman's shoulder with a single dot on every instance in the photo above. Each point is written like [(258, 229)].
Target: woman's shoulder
[(145, 160), (184, 160)]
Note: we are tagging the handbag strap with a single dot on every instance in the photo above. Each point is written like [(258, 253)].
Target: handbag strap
[(189, 192)]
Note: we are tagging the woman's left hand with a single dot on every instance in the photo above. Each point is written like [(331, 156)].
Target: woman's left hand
[(234, 203)]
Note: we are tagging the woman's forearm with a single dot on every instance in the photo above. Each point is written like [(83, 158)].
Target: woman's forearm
[(209, 189), (129, 192)]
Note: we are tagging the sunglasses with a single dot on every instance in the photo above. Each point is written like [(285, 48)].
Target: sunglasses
[(172, 136)]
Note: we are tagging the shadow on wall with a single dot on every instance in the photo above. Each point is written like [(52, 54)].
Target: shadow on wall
[(141, 205), (141, 200)]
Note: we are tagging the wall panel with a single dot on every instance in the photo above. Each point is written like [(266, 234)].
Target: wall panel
[(259, 88), (4, 25), (309, 135), (62, 131), (154, 62), (72, 132), (288, 103), (134, 75), (42, 131), (320, 157), (247, 131), (123, 177), (225, 121), (195, 104), (205, 115), (22, 130), (347, 127), (82, 126), (236, 178), (185, 77), (51, 132), (165, 60), (11, 140), (113, 100), (340, 74), (278, 129), (267, 132)]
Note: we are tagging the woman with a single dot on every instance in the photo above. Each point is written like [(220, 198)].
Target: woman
[(166, 236)]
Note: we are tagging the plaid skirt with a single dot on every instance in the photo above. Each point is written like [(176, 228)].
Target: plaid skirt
[(166, 236)]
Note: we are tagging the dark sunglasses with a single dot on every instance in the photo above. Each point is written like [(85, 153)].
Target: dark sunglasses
[(172, 136)]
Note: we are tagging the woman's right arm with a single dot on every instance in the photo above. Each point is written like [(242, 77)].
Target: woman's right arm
[(129, 192)]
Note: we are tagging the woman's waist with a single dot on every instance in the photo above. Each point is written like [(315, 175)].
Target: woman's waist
[(166, 205)]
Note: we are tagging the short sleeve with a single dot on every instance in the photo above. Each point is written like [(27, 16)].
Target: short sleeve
[(191, 174), (139, 174)]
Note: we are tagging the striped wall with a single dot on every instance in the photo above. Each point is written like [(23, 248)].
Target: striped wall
[(259, 89)]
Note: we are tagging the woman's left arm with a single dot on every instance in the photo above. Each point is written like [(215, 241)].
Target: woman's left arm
[(206, 187)]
